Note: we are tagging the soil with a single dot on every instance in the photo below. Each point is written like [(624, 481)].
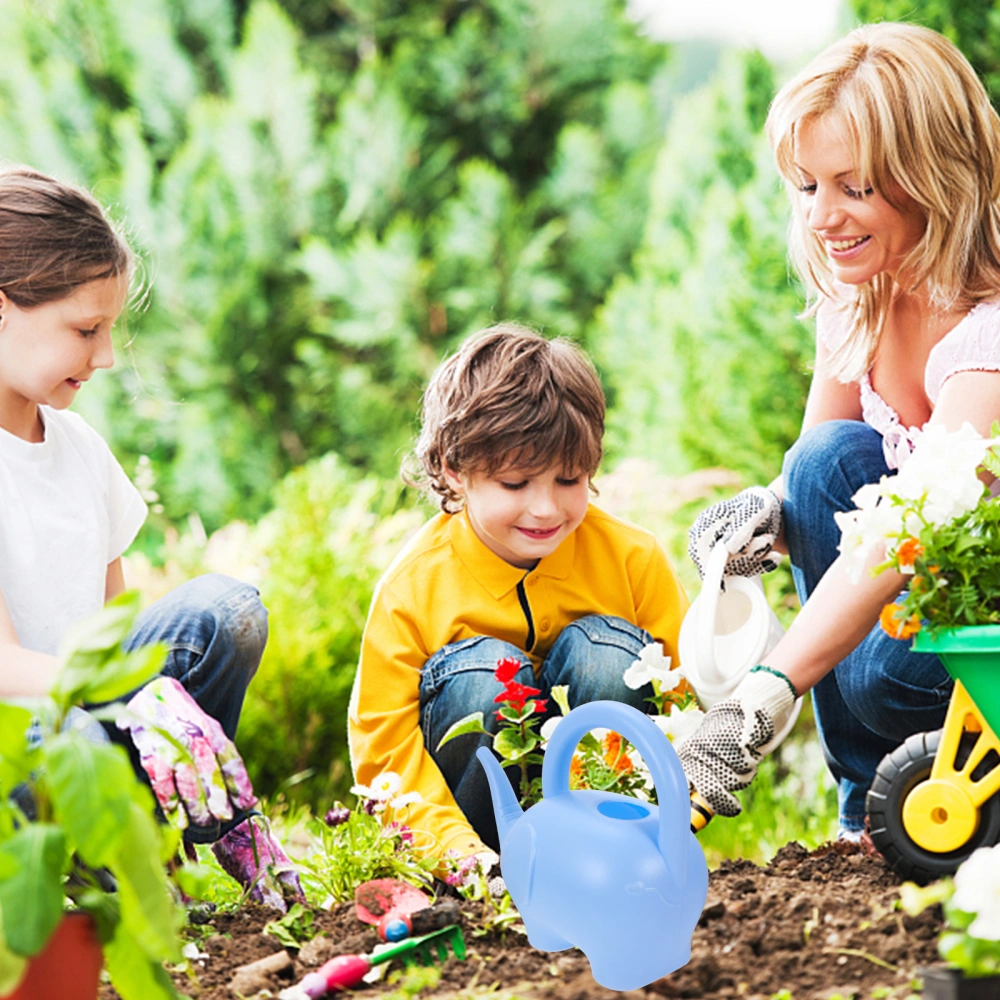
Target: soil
[(813, 924)]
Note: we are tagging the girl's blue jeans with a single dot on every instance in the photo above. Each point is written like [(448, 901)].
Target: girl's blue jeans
[(882, 692), (590, 656), (215, 628)]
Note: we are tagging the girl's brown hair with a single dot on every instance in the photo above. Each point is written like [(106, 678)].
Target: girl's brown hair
[(54, 237), (918, 119), (509, 398)]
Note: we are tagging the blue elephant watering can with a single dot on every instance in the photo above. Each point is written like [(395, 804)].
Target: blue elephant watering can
[(622, 880)]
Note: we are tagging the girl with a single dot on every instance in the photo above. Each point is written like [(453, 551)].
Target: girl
[(891, 153), (68, 512)]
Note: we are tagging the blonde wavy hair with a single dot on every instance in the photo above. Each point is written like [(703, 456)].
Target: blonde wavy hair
[(918, 120)]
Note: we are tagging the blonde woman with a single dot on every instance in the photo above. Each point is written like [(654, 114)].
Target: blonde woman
[(891, 153)]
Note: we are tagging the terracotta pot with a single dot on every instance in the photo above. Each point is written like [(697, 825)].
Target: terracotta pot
[(949, 984), (69, 967)]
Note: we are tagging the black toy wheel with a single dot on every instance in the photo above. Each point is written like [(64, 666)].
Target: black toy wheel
[(898, 774)]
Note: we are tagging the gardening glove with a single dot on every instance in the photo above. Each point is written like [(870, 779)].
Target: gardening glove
[(748, 525), (252, 856), (721, 757), (195, 771)]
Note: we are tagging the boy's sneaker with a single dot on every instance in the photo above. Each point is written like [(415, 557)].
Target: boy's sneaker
[(257, 861)]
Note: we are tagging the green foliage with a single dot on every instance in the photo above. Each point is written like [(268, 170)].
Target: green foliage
[(703, 355), (88, 811), (326, 542), (294, 928), (369, 844), (327, 198)]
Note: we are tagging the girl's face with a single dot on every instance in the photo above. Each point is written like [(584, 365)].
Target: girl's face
[(523, 516), (863, 234), (47, 352)]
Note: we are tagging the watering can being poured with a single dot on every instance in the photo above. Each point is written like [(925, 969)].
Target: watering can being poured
[(726, 632), (623, 880)]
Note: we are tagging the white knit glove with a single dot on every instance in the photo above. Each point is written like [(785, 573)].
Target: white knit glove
[(748, 525), (722, 755)]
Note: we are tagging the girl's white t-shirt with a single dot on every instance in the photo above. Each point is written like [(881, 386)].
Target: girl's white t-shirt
[(67, 510)]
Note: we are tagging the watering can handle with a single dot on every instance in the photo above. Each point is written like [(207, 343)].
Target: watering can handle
[(660, 757), (708, 604)]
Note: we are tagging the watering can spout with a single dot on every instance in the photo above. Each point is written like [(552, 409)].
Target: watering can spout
[(505, 805)]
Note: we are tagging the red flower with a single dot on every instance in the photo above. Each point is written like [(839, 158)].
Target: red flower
[(516, 694), (507, 669)]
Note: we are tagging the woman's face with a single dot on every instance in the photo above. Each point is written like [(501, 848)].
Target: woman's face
[(863, 234)]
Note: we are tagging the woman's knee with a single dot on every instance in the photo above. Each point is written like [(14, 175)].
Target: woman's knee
[(835, 458)]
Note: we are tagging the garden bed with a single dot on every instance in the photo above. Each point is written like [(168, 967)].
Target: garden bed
[(814, 925)]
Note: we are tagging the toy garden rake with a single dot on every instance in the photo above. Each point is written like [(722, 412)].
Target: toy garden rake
[(346, 971)]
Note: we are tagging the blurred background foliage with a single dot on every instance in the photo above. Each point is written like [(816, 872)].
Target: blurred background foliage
[(329, 195)]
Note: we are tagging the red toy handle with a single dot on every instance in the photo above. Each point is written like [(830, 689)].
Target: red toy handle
[(344, 971)]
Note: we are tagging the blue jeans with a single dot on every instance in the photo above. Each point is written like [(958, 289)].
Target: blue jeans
[(215, 628), (881, 693), (590, 656)]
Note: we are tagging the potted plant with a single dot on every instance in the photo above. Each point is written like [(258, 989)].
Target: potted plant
[(75, 821), (970, 942)]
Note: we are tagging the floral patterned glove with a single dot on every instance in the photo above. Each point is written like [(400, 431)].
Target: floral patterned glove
[(196, 773), (252, 856), (748, 525)]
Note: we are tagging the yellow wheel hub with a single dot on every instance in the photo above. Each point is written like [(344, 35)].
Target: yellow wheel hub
[(939, 817)]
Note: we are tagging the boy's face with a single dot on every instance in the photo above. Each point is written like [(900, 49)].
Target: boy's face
[(523, 516)]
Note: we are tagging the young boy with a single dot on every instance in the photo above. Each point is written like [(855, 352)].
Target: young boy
[(518, 564)]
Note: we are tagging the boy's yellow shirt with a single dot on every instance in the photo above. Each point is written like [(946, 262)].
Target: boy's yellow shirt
[(446, 585)]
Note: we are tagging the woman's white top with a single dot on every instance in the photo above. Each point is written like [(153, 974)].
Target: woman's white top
[(67, 510), (973, 345)]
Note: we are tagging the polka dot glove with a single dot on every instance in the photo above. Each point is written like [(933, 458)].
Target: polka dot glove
[(196, 773), (748, 525), (722, 755)]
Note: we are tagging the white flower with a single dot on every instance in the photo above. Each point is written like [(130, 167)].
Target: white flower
[(977, 890), (406, 799), (863, 529), (652, 664), (944, 467), (362, 791), (549, 727), (385, 786), (678, 726)]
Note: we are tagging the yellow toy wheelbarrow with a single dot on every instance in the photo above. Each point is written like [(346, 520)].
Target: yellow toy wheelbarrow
[(936, 798)]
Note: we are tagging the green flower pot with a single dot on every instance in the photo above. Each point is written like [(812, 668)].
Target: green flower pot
[(971, 655)]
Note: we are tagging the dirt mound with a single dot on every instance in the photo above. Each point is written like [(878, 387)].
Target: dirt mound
[(814, 924)]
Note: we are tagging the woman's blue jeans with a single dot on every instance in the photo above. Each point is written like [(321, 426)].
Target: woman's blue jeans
[(882, 692), (215, 629), (590, 656)]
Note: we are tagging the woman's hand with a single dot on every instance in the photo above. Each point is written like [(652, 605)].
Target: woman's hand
[(196, 773), (748, 525), (722, 755)]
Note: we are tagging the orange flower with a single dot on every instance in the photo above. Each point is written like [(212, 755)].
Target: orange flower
[(612, 745), (909, 552), (897, 627), (623, 764), (576, 768)]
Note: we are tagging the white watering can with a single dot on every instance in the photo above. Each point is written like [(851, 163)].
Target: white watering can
[(727, 631)]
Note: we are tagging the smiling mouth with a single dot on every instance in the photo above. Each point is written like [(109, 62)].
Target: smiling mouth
[(539, 533), (75, 382), (843, 246)]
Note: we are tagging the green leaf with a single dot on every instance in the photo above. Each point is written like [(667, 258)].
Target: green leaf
[(16, 760), (12, 968), (124, 673), (294, 928), (31, 899), (195, 880), (133, 973), (103, 907), (470, 724), (89, 784), (147, 909), (560, 695), (510, 744)]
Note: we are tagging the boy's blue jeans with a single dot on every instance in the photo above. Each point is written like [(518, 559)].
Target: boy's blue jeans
[(216, 629), (590, 656), (882, 692)]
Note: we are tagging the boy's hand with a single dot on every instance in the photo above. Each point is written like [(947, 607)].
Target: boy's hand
[(722, 755), (196, 773), (748, 525)]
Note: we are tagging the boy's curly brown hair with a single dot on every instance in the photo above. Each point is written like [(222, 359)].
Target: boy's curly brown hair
[(508, 398)]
